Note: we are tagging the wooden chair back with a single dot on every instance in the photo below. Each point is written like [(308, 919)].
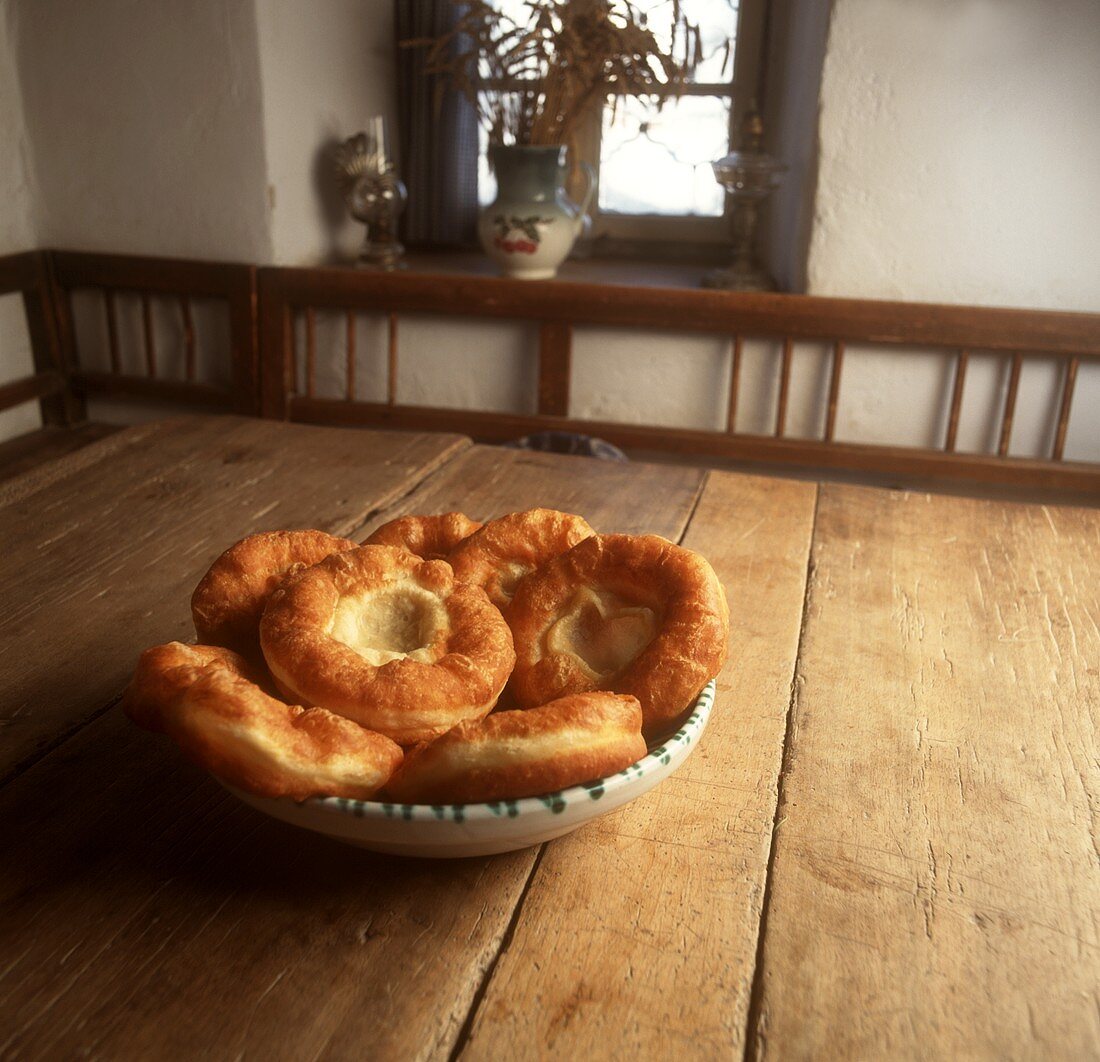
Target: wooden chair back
[(184, 282), (28, 274)]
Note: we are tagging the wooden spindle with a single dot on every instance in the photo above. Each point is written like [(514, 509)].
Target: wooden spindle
[(555, 367), (1063, 412), (150, 340), (112, 330), (188, 338), (735, 384), (1010, 404), (961, 360), (391, 379), (784, 388), (834, 390), (350, 351), (311, 351)]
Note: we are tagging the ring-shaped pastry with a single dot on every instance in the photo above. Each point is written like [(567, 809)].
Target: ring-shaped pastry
[(509, 548), (388, 640), (202, 697), (230, 598), (635, 614), (509, 755), (429, 537)]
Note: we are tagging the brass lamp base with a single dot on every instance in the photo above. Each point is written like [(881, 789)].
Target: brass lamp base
[(383, 254)]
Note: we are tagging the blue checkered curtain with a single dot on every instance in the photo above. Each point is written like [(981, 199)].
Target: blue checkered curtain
[(438, 135)]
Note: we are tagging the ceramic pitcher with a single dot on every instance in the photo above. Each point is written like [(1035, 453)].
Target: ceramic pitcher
[(532, 225)]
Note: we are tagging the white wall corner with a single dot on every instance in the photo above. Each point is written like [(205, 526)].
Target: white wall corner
[(325, 67), (145, 126)]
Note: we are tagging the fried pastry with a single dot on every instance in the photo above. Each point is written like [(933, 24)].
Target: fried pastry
[(429, 537), (230, 599), (635, 614), (388, 640), (203, 698), (507, 549), (524, 753)]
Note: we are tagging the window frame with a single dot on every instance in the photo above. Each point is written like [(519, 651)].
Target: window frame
[(636, 234), (743, 92)]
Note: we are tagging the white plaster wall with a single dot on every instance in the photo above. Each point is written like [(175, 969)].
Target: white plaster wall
[(960, 163), (16, 225), (326, 67), (960, 153), (146, 127)]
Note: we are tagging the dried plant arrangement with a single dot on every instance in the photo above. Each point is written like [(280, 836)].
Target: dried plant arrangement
[(532, 82)]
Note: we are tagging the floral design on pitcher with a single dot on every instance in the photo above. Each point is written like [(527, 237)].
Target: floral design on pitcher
[(529, 227)]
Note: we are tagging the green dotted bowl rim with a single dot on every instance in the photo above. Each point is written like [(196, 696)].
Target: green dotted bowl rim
[(556, 803)]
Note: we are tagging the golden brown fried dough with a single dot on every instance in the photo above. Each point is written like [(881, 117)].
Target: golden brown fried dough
[(202, 697), (230, 599), (524, 753), (429, 537), (631, 613), (389, 641), (507, 549)]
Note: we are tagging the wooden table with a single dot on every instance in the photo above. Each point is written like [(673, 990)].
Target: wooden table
[(885, 846)]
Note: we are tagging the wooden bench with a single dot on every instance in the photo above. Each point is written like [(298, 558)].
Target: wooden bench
[(272, 375)]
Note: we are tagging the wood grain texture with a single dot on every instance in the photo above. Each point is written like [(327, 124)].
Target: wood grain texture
[(935, 890), (555, 367), (28, 451), (735, 384), (1009, 412), (1064, 407), (638, 934), (194, 925), (784, 388), (961, 359), (1080, 476), (835, 370), (630, 498), (391, 360), (118, 546), (149, 914), (687, 310)]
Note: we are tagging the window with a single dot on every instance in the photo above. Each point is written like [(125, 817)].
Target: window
[(655, 180)]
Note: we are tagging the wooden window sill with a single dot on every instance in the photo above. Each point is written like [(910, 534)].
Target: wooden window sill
[(632, 272)]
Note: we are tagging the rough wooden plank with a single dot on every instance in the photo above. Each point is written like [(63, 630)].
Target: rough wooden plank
[(28, 451), (631, 498), (935, 890), (147, 913), (74, 464), (638, 934), (116, 549)]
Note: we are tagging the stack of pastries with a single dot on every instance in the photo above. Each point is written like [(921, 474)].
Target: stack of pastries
[(442, 661)]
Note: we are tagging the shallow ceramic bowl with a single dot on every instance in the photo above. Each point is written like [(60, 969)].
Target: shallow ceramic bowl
[(454, 830)]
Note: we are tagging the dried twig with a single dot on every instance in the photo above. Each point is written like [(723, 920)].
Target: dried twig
[(531, 83)]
